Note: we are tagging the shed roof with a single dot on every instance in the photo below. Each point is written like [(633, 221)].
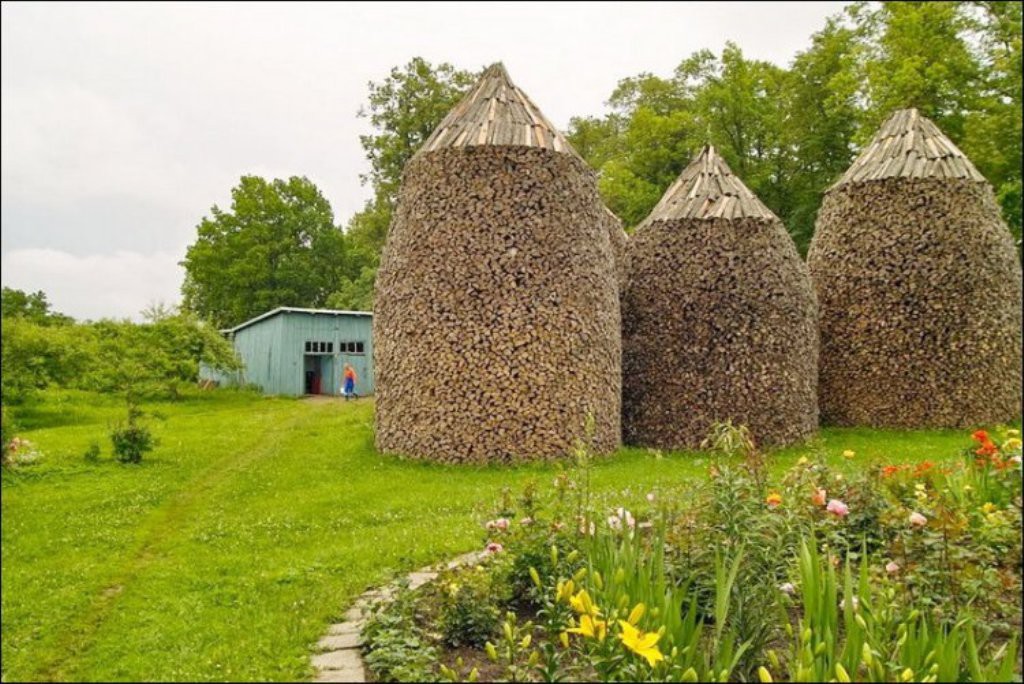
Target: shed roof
[(496, 112), (909, 145), (294, 309), (708, 189)]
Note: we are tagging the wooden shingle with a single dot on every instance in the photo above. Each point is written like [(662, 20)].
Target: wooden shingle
[(708, 189), (909, 145), (496, 112)]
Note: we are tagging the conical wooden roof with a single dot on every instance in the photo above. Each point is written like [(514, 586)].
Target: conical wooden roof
[(909, 145), (496, 112), (708, 189)]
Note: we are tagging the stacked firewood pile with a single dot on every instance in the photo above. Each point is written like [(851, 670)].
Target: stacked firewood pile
[(720, 320), (620, 247), (496, 318), (919, 286)]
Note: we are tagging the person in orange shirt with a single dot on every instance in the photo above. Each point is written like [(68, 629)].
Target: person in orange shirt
[(349, 378)]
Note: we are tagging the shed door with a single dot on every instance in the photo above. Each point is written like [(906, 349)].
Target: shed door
[(331, 376)]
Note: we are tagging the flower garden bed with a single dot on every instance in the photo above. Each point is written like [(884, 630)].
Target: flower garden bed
[(893, 574)]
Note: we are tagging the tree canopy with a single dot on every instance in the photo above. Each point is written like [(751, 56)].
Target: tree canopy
[(403, 109), (277, 246), (790, 132)]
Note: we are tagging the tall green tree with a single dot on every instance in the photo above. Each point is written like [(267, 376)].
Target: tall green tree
[(997, 124), (821, 121), (276, 246), (741, 102), (403, 109)]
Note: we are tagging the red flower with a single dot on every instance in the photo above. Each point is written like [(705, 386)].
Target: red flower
[(890, 470), (922, 468), (987, 448), (979, 436)]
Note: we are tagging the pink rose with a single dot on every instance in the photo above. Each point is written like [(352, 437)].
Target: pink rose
[(918, 520), (493, 547), (892, 567), (837, 508)]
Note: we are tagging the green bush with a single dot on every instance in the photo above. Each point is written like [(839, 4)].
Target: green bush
[(132, 438), (92, 454), (469, 610)]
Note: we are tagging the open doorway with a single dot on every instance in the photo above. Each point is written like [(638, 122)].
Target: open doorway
[(318, 374)]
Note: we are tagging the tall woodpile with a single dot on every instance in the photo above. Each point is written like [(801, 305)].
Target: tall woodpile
[(720, 320), (620, 247), (920, 288), (496, 318)]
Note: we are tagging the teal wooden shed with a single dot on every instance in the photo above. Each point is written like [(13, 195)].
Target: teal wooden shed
[(295, 351)]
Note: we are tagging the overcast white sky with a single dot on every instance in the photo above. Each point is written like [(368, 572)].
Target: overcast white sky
[(123, 124)]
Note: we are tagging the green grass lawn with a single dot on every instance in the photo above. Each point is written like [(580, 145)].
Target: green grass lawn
[(254, 524)]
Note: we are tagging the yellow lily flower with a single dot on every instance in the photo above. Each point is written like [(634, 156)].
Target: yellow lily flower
[(644, 644), (583, 605), (590, 627)]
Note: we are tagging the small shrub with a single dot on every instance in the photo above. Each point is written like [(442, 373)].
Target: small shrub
[(92, 454), (132, 438), (469, 615)]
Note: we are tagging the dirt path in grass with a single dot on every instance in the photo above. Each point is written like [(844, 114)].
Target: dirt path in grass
[(162, 525)]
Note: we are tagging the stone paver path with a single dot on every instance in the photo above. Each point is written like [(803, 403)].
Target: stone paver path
[(338, 657)]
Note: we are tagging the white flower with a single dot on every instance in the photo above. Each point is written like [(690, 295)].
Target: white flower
[(892, 567), (787, 588)]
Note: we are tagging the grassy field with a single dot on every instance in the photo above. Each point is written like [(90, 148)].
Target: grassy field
[(225, 554)]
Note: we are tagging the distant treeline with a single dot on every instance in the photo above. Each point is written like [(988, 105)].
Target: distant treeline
[(43, 348)]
